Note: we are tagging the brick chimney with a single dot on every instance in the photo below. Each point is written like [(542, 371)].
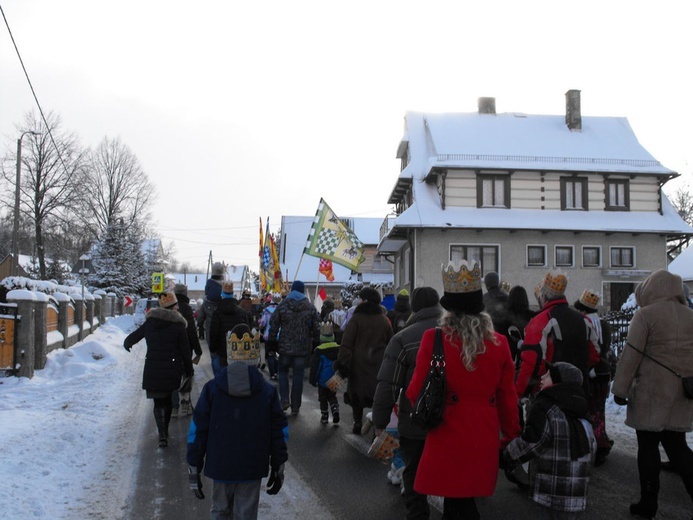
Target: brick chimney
[(487, 105), (573, 117)]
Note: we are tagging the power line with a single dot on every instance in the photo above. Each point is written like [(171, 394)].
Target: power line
[(33, 92)]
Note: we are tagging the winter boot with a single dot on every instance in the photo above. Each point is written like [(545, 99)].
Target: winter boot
[(335, 413), (647, 507), (324, 416), (160, 418)]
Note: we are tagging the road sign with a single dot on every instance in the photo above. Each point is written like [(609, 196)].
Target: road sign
[(157, 282), (127, 301)]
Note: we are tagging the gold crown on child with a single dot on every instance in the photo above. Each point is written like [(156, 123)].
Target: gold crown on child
[(244, 348), (461, 277), (326, 328)]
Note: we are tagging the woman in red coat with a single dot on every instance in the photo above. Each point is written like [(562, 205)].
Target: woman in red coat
[(460, 457)]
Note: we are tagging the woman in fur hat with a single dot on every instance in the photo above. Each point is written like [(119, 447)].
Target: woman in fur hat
[(460, 456), (168, 358), (361, 353)]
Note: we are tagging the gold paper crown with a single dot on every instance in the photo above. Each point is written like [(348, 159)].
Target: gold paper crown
[(458, 277), (505, 286), (589, 299), (167, 300), (246, 348), (554, 284), (326, 328)]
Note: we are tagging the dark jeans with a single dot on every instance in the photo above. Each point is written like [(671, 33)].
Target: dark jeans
[(649, 460), (460, 509), (416, 503), (326, 397), (298, 365)]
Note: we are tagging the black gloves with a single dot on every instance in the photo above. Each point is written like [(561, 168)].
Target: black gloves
[(275, 481), (621, 401), (195, 482)]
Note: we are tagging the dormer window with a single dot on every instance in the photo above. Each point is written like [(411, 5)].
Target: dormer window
[(574, 193), (617, 195), (493, 191)]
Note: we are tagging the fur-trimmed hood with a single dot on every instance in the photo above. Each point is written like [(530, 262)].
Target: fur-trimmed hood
[(166, 315)]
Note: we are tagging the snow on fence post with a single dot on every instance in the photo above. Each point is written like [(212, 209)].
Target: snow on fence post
[(24, 331), (89, 320), (80, 315), (99, 305), (114, 301), (40, 330)]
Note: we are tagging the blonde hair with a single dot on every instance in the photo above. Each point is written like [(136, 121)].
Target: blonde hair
[(472, 330)]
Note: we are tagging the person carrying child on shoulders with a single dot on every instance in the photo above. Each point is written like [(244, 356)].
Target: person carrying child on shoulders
[(558, 442), (321, 371)]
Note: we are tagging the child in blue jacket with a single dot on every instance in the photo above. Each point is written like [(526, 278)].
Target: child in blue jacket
[(321, 371), (237, 433)]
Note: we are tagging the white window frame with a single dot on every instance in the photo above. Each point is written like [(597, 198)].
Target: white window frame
[(633, 263), (542, 246), (599, 251), (555, 255), (484, 268)]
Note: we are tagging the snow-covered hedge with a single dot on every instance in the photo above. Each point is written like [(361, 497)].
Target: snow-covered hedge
[(13, 283)]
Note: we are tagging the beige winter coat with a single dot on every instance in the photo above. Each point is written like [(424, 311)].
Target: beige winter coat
[(663, 328)]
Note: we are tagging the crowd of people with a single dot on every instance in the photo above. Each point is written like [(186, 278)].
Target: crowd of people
[(526, 389)]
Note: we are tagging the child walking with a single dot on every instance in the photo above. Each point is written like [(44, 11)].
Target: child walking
[(558, 442), (321, 371)]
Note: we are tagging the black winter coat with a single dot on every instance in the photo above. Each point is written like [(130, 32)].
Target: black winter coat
[(168, 351), (187, 312), (226, 316), (295, 326), (396, 371)]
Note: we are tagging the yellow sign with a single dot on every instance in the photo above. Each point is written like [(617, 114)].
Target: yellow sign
[(157, 282)]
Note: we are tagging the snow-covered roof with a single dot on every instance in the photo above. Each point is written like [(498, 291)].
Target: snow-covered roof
[(682, 265), (295, 231), (524, 142), (529, 142)]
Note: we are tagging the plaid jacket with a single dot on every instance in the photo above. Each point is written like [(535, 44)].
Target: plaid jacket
[(557, 481)]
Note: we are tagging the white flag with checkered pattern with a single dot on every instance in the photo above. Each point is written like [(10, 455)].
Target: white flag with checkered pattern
[(331, 239)]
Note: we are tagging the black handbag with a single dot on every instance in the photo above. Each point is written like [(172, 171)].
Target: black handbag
[(428, 408), (686, 380)]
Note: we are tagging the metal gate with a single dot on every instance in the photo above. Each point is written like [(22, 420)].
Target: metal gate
[(8, 321)]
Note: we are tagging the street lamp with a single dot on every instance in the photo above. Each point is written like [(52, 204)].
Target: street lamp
[(15, 230)]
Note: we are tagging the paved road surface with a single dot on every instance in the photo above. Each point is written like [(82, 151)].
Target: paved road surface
[(328, 476)]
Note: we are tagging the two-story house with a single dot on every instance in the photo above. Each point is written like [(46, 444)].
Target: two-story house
[(524, 194)]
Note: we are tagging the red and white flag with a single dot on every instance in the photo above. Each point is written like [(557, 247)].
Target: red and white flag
[(326, 269)]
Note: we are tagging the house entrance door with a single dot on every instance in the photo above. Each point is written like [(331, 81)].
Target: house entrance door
[(619, 293)]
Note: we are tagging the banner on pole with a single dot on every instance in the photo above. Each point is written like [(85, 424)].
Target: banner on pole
[(331, 239)]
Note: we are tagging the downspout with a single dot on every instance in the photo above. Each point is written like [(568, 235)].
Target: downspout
[(412, 262)]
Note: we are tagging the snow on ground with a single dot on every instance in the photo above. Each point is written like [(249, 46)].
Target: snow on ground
[(69, 433)]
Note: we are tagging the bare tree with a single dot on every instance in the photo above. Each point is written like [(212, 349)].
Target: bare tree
[(682, 200), (52, 169), (117, 187)]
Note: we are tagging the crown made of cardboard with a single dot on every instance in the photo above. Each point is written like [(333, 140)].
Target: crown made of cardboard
[(505, 286), (589, 299), (461, 277), (326, 328), (245, 348), (554, 284), (167, 300)]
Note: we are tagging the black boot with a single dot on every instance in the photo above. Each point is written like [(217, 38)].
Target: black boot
[(160, 418), (647, 507), (335, 413)]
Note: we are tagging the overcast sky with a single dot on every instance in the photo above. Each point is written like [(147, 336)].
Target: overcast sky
[(238, 110)]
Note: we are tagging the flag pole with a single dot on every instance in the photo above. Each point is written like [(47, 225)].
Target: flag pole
[(317, 283), (299, 265)]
